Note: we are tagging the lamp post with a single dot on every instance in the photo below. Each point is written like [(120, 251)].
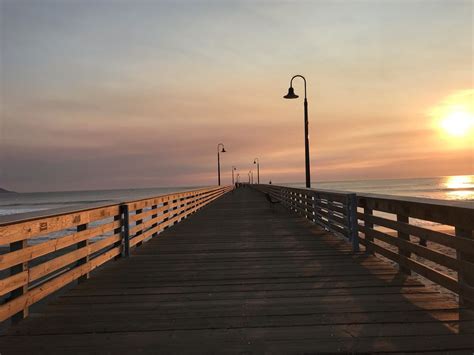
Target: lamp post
[(233, 169), (256, 161), (291, 95), (219, 162)]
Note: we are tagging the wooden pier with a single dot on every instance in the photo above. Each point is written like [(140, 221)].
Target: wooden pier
[(246, 275)]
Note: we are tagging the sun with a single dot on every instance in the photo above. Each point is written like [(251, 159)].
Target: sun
[(453, 117), (457, 123)]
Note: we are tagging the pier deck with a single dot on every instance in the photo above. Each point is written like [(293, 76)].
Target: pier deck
[(243, 275)]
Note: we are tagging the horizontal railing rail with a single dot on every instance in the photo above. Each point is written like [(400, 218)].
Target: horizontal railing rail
[(41, 254), (433, 238), (333, 210)]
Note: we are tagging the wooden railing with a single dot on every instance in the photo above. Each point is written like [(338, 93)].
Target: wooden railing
[(334, 210), (44, 253), (433, 238)]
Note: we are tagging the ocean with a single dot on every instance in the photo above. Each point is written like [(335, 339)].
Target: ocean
[(458, 187), (445, 188), (14, 203)]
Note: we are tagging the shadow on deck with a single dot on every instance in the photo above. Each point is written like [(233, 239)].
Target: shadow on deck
[(244, 276)]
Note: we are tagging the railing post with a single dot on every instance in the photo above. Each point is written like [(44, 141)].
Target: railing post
[(315, 207), (404, 236), (182, 203), (465, 278), (140, 221), (154, 207), (174, 208), (308, 206), (330, 215), (353, 225), (368, 225), (126, 230), (80, 245), (23, 289), (117, 230), (166, 211), (194, 202)]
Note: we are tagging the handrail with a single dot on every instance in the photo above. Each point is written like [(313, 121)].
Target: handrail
[(43, 252), (333, 210), (396, 228)]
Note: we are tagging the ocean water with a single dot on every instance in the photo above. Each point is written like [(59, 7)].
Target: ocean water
[(13, 203), (459, 187), (445, 188)]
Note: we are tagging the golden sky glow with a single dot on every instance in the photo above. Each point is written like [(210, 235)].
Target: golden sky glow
[(119, 94)]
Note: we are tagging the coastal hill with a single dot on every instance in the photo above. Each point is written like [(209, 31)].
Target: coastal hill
[(4, 191)]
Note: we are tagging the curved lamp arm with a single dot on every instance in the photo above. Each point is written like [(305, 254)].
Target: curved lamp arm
[(302, 77), (220, 144)]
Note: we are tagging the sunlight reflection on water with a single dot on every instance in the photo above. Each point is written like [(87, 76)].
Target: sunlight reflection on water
[(460, 187)]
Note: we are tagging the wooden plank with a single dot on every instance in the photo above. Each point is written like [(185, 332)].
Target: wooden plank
[(437, 277), (24, 301), (23, 288), (38, 227), (57, 263), (368, 213), (462, 243), (34, 251), (143, 215), (144, 225), (422, 251), (169, 221), (144, 203), (13, 282), (85, 259), (403, 249), (451, 213), (466, 271)]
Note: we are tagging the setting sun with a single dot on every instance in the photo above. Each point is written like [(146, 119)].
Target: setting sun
[(454, 117), (458, 123)]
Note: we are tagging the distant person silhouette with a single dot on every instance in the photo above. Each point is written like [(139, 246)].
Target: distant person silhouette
[(270, 182)]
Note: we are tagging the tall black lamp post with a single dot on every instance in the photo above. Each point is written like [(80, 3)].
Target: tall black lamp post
[(256, 161), (233, 169), (219, 162), (291, 95)]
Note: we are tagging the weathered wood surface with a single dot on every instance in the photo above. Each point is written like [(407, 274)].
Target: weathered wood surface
[(401, 230), (44, 267), (243, 275)]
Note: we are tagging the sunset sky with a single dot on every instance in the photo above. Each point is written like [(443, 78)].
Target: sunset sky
[(120, 94)]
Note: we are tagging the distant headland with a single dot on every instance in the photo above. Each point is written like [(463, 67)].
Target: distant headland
[(5, 191)]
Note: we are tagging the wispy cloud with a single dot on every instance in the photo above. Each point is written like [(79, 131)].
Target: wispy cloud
[(119, 94)]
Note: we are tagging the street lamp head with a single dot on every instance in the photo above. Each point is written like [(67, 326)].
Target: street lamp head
[(223, 150), (291, 94)]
